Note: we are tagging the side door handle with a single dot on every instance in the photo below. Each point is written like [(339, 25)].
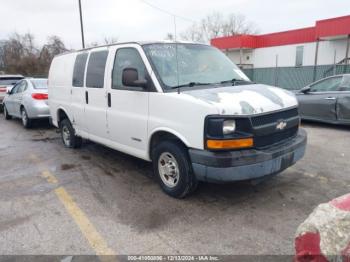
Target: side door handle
[(109, 100), (86, 97), (329, 98)]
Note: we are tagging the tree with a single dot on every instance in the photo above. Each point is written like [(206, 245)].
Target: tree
[(237, 24), (54, 46), (216, 25), (193, 33), (212, 26), (169, 36), (106, 41), (20, 55), (110, 40)]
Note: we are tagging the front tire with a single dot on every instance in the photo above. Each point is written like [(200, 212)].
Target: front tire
[(173, 169), (69, 138), (26, 121), (6, 113)]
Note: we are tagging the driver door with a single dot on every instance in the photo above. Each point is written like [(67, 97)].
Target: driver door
[(319, 102), (127, 112)]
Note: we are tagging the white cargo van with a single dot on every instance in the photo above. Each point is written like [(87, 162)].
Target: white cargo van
[(185, 107)]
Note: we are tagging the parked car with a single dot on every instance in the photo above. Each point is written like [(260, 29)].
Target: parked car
[(27, 100), (327, 100), (6, 83), (185, 107)]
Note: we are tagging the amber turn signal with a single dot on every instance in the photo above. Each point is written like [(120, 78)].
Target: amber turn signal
[(230, 144)]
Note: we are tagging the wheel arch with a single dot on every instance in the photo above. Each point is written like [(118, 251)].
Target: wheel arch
[(61, 114), (23, 107), (162, 134)]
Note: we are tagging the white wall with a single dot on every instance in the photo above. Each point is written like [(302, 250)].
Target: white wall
[(233, 55), (266, 57), (326, 51), (247, 56)]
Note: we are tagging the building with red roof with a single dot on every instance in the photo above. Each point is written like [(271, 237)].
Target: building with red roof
[(323, 44)]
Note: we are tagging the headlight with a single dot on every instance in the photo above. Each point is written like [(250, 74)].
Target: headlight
[(228, 127)]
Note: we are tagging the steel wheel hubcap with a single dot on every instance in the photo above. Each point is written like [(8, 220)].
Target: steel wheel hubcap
[(168, 169), (66, 135)]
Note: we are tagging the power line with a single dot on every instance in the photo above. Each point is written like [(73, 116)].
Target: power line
[(168, 12)]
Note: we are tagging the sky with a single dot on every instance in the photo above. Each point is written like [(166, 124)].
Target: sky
[(133, 20)]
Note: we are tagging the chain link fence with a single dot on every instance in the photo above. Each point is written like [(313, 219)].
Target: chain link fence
[(293, 78)]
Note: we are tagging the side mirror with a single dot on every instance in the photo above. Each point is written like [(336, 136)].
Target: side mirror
[(130, 77), (305, 89), (8, 91)]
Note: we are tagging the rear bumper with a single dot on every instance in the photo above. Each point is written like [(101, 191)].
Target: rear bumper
[(39, 110), (247, 164)]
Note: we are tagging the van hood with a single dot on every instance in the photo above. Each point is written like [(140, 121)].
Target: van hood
[(245, 99)]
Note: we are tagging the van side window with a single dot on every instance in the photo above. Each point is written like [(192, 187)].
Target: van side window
[(126, 58), (96, 69), (79, 70)]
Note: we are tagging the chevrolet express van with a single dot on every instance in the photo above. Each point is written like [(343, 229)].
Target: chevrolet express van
[(186, 107)]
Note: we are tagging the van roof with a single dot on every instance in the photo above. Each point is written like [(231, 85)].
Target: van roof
[(134, 42)]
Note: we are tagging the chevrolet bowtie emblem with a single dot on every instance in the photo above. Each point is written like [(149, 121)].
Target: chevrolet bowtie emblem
[(281, 125)]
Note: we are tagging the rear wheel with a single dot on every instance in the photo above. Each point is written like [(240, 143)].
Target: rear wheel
[(26, 121), (69, 138), (173, 169), (6, 113)]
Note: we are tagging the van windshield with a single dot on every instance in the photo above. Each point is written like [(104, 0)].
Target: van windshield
[(191, 64)]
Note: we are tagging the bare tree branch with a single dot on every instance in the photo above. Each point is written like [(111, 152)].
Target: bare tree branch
[(110, 40), (20, 55), (170, 36), (216, 25)]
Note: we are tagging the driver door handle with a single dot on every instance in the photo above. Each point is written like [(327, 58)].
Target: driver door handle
[(109, 100), (329, 98)]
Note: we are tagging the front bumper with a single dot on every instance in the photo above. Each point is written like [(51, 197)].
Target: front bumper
[(247, 164)]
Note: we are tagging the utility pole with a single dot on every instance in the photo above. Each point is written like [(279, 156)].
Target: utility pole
[(81, 25), (316, 60)]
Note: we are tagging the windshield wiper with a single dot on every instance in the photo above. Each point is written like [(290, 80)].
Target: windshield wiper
[(191, 84), (234, 81)]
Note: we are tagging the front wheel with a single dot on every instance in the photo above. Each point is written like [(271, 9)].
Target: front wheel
[(6, 113), (173, 169), (69, 138)]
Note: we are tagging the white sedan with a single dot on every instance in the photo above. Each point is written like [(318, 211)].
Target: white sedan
[(27, 100)]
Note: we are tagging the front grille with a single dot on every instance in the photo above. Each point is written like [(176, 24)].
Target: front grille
[(276, 137), (274, 117)]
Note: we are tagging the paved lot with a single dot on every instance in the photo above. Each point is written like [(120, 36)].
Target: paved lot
[(59, 201)]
